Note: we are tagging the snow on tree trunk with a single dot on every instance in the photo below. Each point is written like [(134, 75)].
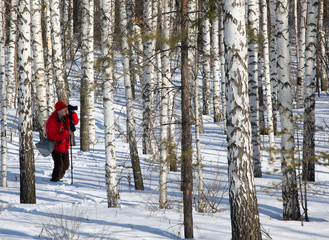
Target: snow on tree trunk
[(301, 54), (218, 115), (39, 68), (26, 153), (164, 121), (186, 141), (206, 96), (58, 65), (253, 24), (107, 9), (264, 31), (273, 70), (138, 179), (3, 101), (148, 77), (48, 58), (12, 43), (309, 93), (243, 201), (289, 185)]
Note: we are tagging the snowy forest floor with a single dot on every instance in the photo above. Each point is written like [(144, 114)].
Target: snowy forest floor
[(79, 210)]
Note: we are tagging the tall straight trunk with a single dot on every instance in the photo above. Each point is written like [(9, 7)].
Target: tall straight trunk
[(206, 96), (164, 120), (12, 53), (322, 57), (309, 94), (138, 179), (148, 77), (264, 31), (218, 114), (3, 101), (253, 24), (48, 59), (26, 154), (58, 65), (243, 201), (301, 54), (222, 67), (39, 68), (289, 185), (273, 61), (108, 11), (187, 177)]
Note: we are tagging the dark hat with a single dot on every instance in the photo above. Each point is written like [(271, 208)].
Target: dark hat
[(60, 105)]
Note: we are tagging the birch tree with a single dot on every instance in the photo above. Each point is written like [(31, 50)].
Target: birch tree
[(206, 96), (38, 67), (107, 10), (289, 185), (218, 114), (164, 121), (58, 65), (148, 76), (322, 57), (3, 99), (253, 24), (309, 94), (138, 179), (12, 51), (26, 154), (264, 31), (243, 201), (301, 54), (187, 177)]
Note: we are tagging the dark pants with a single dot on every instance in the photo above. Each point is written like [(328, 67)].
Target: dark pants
[(61, 164)]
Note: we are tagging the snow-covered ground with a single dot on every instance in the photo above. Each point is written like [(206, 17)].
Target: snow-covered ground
[(80, 210)]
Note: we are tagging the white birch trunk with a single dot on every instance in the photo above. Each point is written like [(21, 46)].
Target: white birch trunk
[(107, 9), (48, 58), (322, 56), (222, 67), (301, 53), (206, 96), (58, 64), (26, 154), (12, 44), (218, 115), (3, 101), (242, 193), (164, 121), (267, 76), (39, 67), (273, 70), (148, 77), (289, 184), (253, 24), (309, 94), (138, 179)]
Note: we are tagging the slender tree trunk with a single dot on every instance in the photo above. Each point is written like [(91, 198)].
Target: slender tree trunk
[(289, 185), (26, 154), (3, 99), (41, 106), (108, 12), (187, 178), (321, 55), (243, 201), (58, 66), (12, 53), (270, 128), (139, 185), (253, 24), (309, 94), (222, 64)]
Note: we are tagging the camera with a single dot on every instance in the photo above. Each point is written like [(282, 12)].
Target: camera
[(72, 108)]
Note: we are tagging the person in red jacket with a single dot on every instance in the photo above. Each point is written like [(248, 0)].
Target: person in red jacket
[(58, 130)]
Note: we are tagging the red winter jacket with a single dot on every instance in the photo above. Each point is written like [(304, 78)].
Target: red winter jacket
[(59, 131)]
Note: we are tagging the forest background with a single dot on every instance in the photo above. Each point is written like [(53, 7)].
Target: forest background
[(259, 65)]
